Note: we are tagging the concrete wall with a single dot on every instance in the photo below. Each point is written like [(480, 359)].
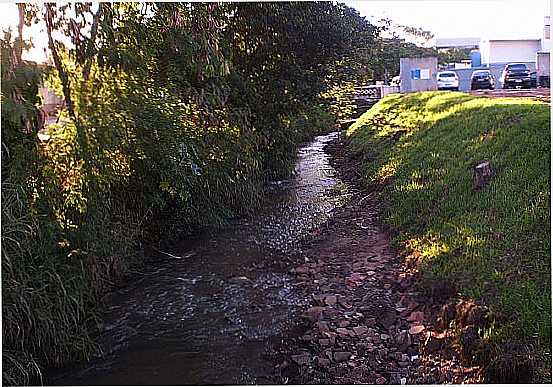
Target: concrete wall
[(411, 85), (543, 63), (508, 51)]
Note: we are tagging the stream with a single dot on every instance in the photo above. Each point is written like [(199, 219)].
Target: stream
[(210, 314)]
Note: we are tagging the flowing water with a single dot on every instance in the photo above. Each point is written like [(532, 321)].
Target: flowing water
[(209, 314)]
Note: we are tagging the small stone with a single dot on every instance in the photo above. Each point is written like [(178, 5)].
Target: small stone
[(381, 380), (301, 270), (314, 313), (342, 331), (331, 336), (322, 362), (324, 342), (323, 326), (342, 356), (343, 323), (416, 329), (384, 336), (330, 300), (360, 330), (345, 304), (301, 359)]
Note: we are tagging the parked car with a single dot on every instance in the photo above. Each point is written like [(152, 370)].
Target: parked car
[(482, 79), (534, 79), (448, 80), (515, 75)]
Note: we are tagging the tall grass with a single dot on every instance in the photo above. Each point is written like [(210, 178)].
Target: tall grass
[(494, 243)]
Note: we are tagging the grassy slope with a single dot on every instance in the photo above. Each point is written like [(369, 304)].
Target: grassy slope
[(494, 243)]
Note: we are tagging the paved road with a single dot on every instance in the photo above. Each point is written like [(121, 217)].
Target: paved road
[(543, 94)]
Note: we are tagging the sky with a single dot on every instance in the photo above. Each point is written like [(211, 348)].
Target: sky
[(462, 18), (444, 18)]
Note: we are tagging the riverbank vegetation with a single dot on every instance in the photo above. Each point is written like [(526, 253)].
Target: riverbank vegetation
[(175, 115), (490, 242)]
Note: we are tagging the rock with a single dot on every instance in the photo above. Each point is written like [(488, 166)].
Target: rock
[(343, 331), (301, 270), (380, 380), (416, 329), (341, 356), (403, 340), (384, 336), (322, 362), (345, 304), (343, 323), (314, 313), (416, 317), (324, 342), (301, 359), (330, 300), (371, 322), (482, 175), (360, 330), (323, 326), (331, 336)]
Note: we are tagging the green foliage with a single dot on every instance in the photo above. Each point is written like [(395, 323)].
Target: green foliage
[(494, 242)]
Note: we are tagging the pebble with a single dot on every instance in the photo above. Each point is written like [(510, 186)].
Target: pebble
[(342, 356), (301, 359), (416, 329)]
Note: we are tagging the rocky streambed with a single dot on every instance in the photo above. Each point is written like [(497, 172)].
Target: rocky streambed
[(306, 291)]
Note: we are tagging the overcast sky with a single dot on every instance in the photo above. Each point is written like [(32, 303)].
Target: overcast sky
[(444, 18), (462, 18)]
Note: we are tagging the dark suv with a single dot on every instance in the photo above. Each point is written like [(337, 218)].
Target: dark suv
[(516, 74)]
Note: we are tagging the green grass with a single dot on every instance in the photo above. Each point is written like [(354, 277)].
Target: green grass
[(494, 242)]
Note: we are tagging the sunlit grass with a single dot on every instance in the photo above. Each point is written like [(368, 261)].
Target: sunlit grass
[(494, 242)]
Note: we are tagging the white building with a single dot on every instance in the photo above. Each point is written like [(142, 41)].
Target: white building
[(502, 51), (546, 41), (447, 43), (499, 51)]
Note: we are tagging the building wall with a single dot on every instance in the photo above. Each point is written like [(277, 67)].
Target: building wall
[(408, 84), (506, 51)]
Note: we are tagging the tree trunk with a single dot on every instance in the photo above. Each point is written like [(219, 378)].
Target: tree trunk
[(19, 45), (57, 62)]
